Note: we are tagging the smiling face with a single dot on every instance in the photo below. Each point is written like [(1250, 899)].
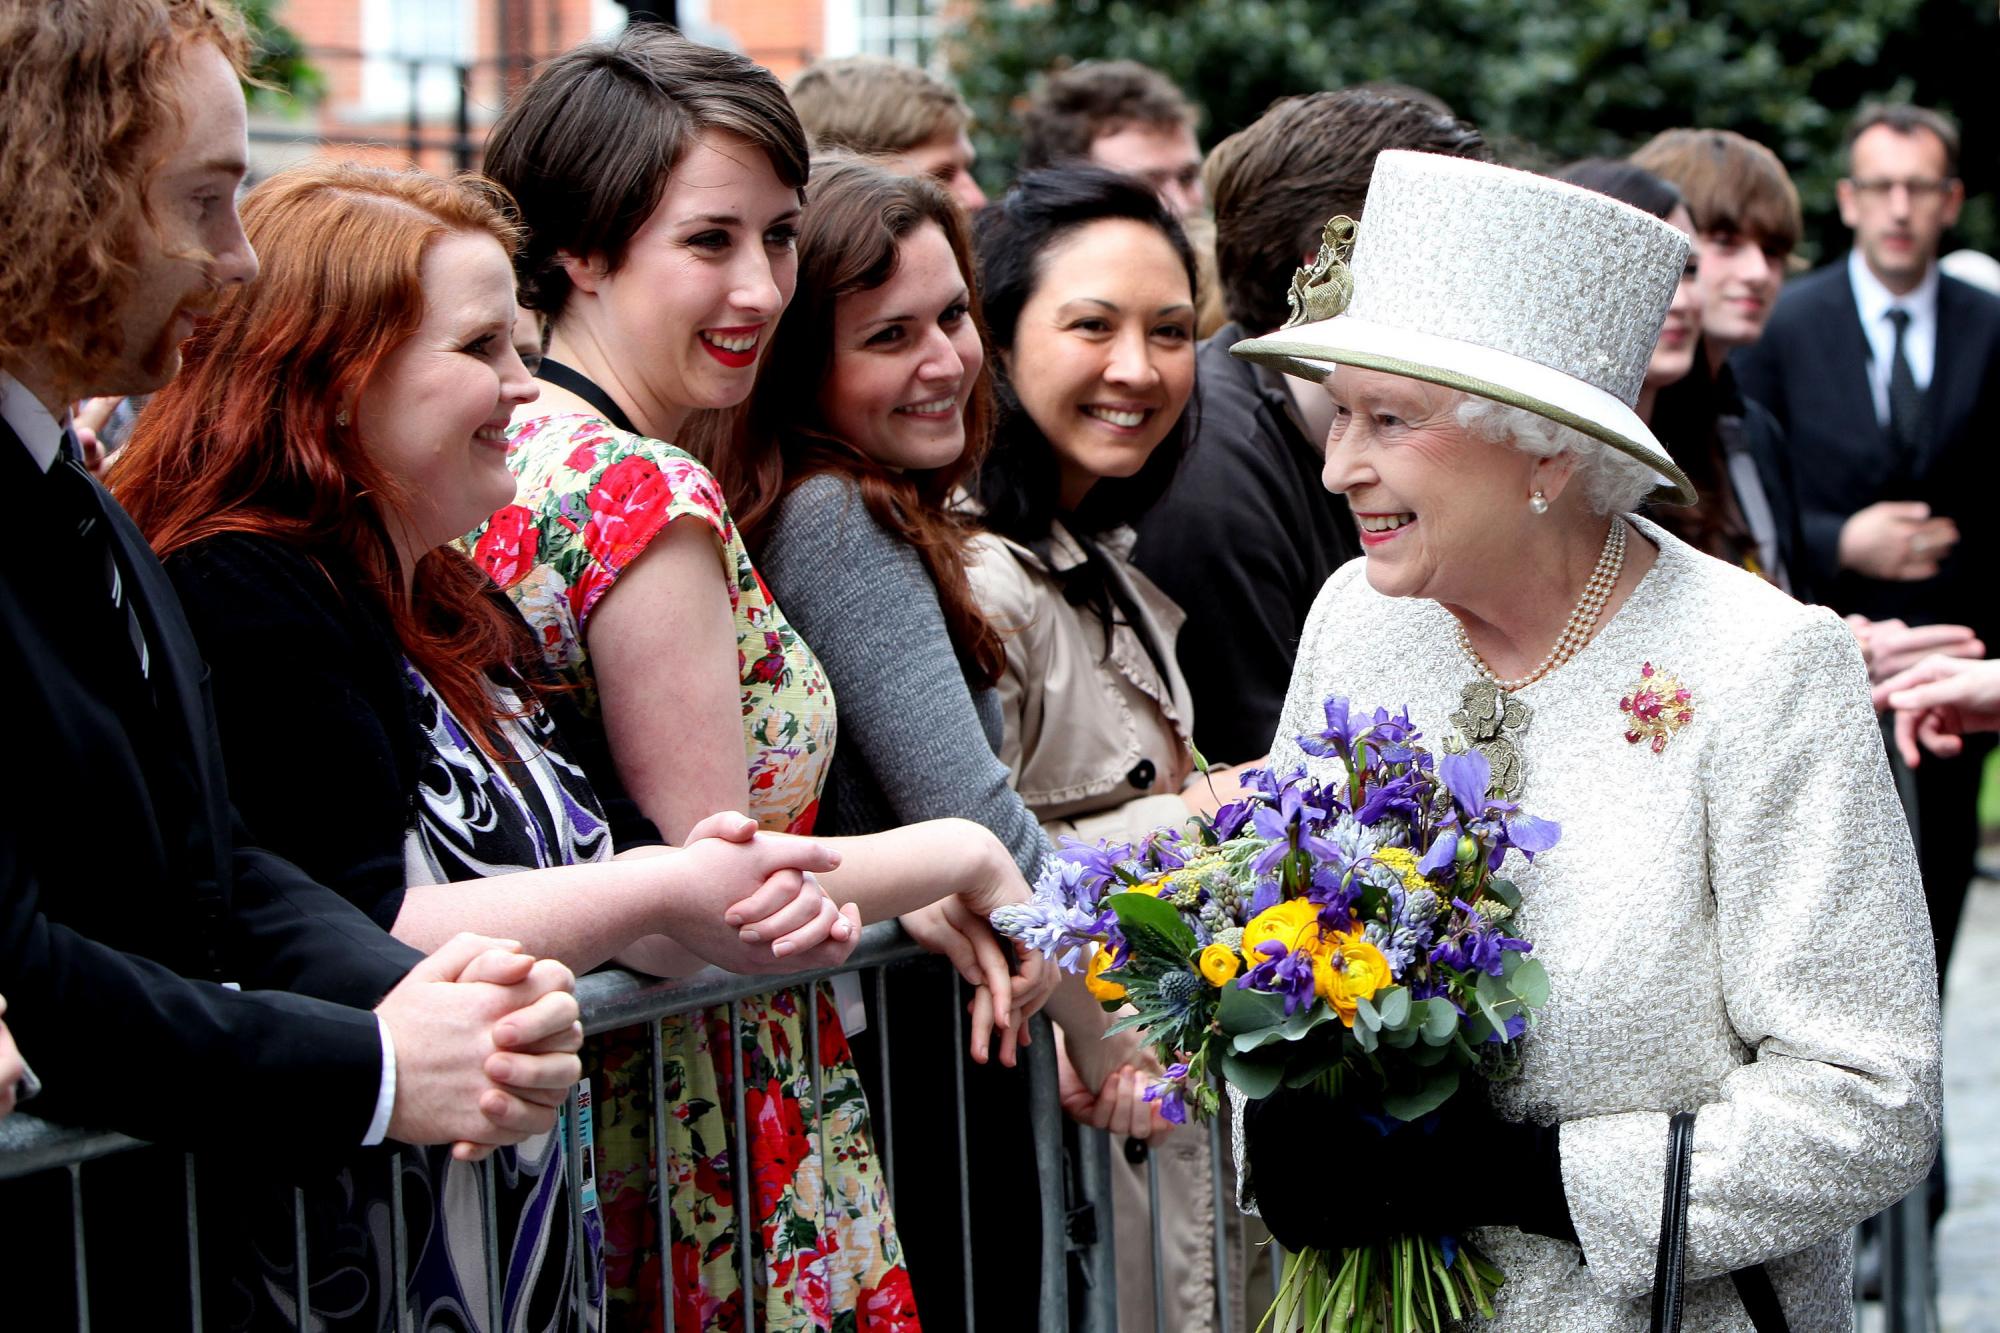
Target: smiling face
[(1443, 513), (905, 358), (1899, 197), (685, 318), (1673, 354), (434, 415), (1740, 277), (1103, 355), (195, 244), (1164, 155)]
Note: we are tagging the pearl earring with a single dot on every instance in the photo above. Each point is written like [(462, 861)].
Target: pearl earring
[(1539, 503), (340, 419)]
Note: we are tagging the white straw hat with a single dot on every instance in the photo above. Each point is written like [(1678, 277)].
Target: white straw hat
[(1502, 283)]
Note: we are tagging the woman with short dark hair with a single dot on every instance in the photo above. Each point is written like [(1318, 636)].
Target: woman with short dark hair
[(660, 182)]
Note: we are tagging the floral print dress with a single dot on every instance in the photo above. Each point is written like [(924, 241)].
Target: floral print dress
[(591, 496)]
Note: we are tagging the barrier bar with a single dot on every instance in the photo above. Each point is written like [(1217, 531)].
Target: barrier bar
[(964, 1171), (739, 1167), (662, 1203)]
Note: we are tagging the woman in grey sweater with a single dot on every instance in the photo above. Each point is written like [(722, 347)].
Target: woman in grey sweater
[(870, 409)]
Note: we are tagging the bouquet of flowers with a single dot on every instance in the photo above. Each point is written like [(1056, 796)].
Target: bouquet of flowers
[(1349, 937)]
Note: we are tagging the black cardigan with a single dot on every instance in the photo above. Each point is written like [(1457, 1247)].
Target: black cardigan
[(318, 726)]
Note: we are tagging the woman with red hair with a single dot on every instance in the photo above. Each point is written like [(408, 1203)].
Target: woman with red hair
[(386, 719)]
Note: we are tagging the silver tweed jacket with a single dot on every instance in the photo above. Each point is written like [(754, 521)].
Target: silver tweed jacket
[(1732, 924)]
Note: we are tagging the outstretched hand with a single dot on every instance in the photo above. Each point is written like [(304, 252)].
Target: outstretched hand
[(1118, 1102), (1938, 702)]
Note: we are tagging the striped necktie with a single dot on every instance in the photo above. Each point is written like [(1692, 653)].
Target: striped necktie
[(93, 530)]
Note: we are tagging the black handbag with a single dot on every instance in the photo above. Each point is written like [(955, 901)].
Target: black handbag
[(1753, 1284)]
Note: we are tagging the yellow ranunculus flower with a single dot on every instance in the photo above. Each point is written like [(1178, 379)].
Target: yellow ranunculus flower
[(1362, 972), (1100, 988), (1294, 924), (1219, 964)]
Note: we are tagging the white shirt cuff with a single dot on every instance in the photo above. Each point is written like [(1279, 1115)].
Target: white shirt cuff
[(385, 1099)]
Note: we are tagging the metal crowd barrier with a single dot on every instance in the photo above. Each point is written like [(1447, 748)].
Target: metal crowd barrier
[(614, 999)]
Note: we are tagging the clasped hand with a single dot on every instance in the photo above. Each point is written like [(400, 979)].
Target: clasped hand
[(485, 1041)]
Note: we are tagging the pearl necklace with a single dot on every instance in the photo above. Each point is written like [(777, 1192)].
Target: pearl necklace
[(1582, 621)]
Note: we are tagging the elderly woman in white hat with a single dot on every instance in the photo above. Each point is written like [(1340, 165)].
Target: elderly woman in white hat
[(1732, 922)]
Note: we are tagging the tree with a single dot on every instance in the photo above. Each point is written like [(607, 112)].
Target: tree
[(278, 66), (1548, 80)]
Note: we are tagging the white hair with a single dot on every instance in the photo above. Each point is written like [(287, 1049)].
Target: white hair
[(1613, 481)]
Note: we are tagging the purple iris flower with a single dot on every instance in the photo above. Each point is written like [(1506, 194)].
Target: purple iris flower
[(1441, 853), (1171, 1095), (1498, 823), (1231, 818), (1390, 796), (1335, 890), (1289, 974), (1476, 945), (1466, 776), (1098, 864), (1336, 738), (1266, 896)]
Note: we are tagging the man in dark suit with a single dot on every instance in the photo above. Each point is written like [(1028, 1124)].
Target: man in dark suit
[(164, 977), (1246, 535), (1883, 373)]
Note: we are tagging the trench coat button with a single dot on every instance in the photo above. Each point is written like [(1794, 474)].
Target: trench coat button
[(1142, 774)]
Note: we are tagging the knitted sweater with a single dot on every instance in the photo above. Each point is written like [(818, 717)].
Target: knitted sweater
[(916, 740)]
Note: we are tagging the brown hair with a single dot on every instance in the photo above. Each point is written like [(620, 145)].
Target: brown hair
[(1305, 160), (246, 440), (87, 86), (586, 148), (1904, 119), (1731, 184), (873, 105), (851, 241), (1075, 107)]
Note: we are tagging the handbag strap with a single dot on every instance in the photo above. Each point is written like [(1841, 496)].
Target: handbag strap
[(1753, 1284), (1670, 1267)]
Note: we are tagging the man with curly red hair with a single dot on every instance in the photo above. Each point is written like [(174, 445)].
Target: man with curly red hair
[(162, 977)]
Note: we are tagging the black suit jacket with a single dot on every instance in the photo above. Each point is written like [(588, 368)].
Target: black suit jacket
[(1811, 370), (1242, 541), (128, 890)]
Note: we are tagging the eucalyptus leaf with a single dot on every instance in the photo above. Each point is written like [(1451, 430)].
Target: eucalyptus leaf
[(1241, 1010), (1504, 890), (1252, 1078), (1394, 1006), (1305, 1020), (1414, 1104), (1368, 1015), (1440, 1022), (1423, 1055), (1367, 1036), (1531, 983)]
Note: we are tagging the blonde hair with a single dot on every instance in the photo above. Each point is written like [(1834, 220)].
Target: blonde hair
[(874, 106), (88, 85)]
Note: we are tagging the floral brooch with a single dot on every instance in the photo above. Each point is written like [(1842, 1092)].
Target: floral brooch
[(1656, 708)]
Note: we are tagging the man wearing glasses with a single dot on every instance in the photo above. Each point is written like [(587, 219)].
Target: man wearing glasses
[(1883, 373)]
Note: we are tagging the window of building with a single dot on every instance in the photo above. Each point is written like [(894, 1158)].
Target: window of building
[(440, 34), (905, 29)]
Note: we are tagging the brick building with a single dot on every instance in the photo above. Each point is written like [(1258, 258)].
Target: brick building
[(423, 79)]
